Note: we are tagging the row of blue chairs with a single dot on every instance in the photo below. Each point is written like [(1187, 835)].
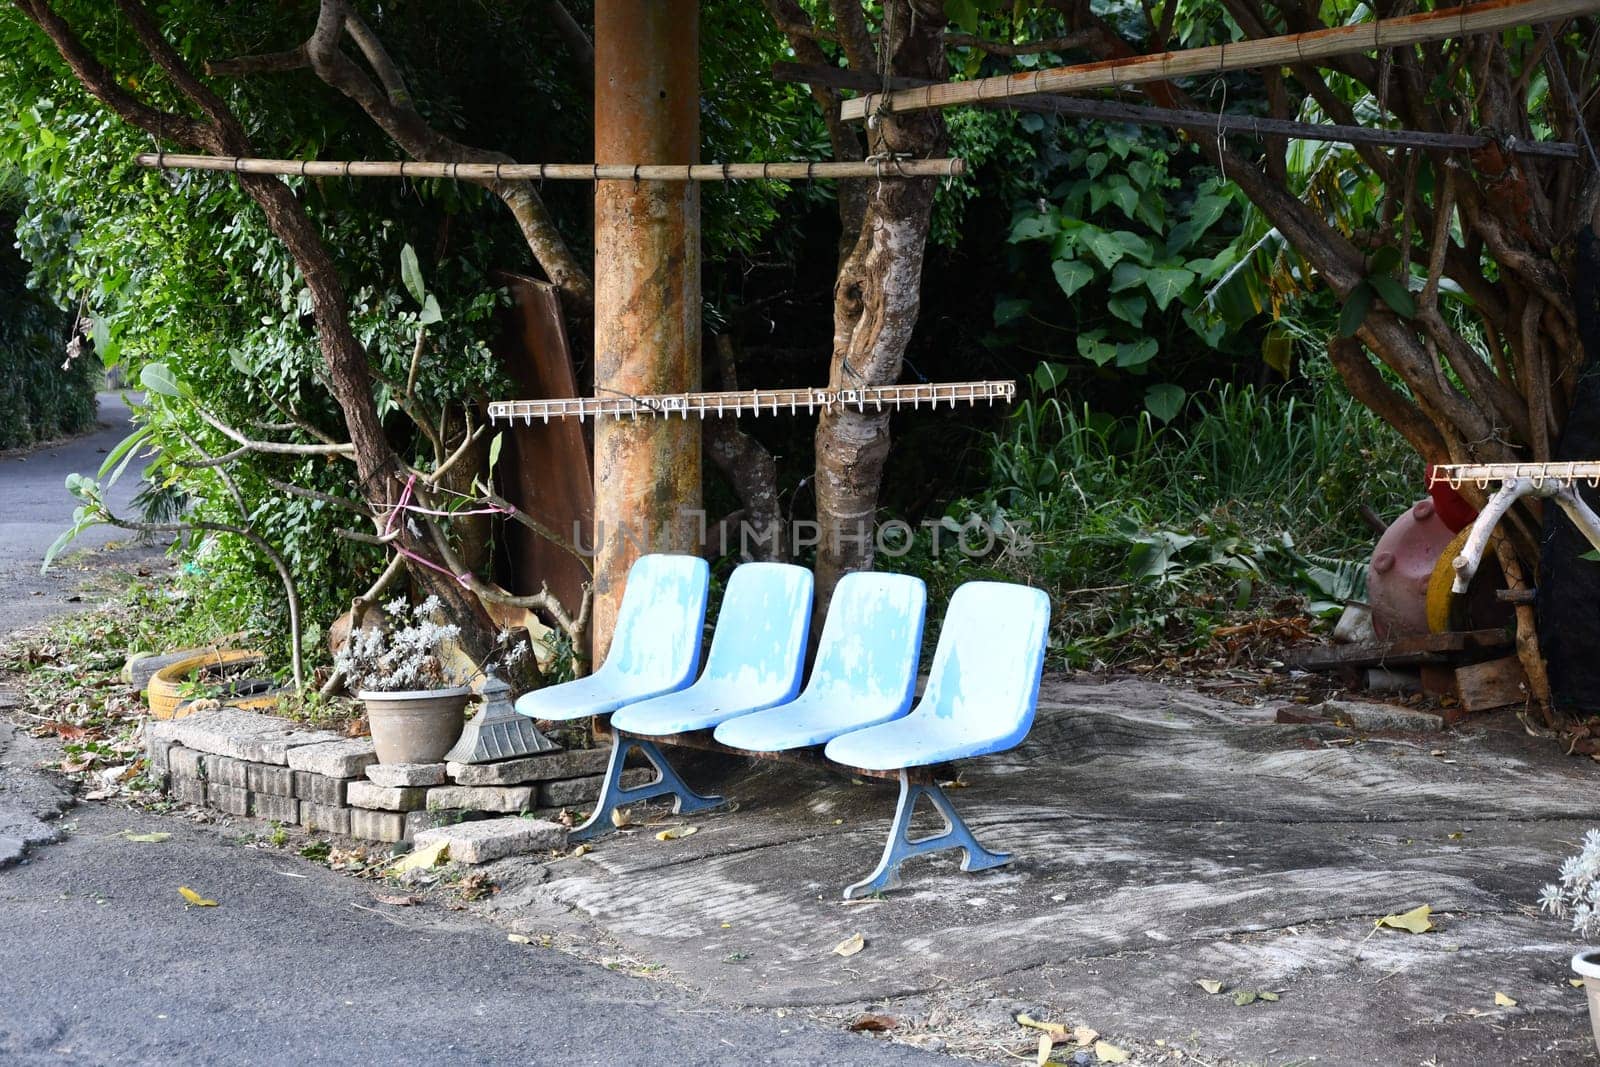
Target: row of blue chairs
[(858, 702)]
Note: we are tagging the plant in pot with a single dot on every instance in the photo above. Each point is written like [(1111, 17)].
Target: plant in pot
[(1576, 896), (415, 702)]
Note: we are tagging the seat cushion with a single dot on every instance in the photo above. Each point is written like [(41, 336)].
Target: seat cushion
[(809, 720), (699, 707), (578, 699)]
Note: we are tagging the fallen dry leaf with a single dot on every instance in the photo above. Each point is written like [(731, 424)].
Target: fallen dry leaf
[(147, 839), (1083, 1035), (1264, 995), (195, 898), (620, 818), (1243, 997), (672, 833), (850, 946), (1106, 1052), (583, 849), (1415, 921), (874, 1023), (1047, 1045), (420, 858), (1503, 1001), (1055, 1029), (519, 939), (1575, 983), (1210, 985)]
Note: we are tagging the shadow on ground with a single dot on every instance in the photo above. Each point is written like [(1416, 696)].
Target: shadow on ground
[(1162, 837)]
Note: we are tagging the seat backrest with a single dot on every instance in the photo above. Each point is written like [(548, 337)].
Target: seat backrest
[(760, 641), (663, 611), (984, 681), (871, 642)]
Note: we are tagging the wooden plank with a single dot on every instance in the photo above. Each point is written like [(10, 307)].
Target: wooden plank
[(1179, 118), (582, 172), (1499, 683), (1286, 50), (1406, 651)]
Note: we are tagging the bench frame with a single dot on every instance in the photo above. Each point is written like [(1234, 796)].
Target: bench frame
[(915, 784)]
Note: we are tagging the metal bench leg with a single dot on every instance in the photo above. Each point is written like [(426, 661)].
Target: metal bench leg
[(956, 834), (613, 795)]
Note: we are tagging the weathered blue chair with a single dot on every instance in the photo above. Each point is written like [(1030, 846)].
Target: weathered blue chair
[(757, 656), (655, 647), (980, 698), (865, 671)]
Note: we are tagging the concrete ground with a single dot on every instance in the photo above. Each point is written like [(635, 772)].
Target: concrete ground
[(35, 508), (1163, 837)]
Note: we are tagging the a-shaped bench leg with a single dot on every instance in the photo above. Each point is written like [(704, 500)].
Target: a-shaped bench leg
[(956, 834), (613, 795)]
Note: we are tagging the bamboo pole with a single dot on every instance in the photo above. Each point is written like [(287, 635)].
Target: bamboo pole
[(1285, 50), (585, 172), (1115, 111)]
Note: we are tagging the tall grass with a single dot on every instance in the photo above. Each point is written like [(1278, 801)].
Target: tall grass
[(1149, 534)]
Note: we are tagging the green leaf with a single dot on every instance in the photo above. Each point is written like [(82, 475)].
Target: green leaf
[(430, 311), (494, 450), (1033, 227), (1095, 350), (1206, 210), (1164, 401), (411, 274), (158, 378), (126, 449), (1384, 260), (1167, 284), (1095, 163), (1105, 246), (1129, 307), (1125, 197), (1132, 354), (1395, 294), (1126, 275), (1009, 309), (1047, 375), (1355, 309), (1071, 274)]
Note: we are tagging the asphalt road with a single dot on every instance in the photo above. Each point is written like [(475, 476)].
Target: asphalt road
[(102, 961), (35, 508)]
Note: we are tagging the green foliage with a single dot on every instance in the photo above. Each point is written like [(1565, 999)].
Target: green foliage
[(43, 394), (1149, 534)]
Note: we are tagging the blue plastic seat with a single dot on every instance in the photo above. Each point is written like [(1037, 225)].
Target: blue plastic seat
[(655, 647), (865, 671), (980, 698), (756, 660)]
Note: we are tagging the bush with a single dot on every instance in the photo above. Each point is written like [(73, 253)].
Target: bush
[(40, 399)]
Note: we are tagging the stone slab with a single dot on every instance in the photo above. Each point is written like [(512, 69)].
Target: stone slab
[(320, 789), (574, 763), (397, 775), (335, 759), (159, 738), (577, 791), (233, 799), (269, 778), (480, 798), (188, 791), (274, 807), (225, 770), (491, 839), (185, 763), (322, 817), (1378, 717), (245, 735), (418, 821), (377, 825), (376, 797)]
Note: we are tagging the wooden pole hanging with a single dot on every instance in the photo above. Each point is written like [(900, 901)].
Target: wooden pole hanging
[(887, 167), (1285, 50), (1114, 111)]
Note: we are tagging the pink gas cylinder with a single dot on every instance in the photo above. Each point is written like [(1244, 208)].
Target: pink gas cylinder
[(1397, 577)]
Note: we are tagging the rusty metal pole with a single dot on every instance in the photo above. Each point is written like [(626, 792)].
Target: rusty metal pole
[(647, 288)]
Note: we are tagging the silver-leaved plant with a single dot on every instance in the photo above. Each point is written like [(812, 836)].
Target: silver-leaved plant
[(1577, 895), (398, 658)]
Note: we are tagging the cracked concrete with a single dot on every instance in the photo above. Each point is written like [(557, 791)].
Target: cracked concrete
[(1161, 836), (29, 802)]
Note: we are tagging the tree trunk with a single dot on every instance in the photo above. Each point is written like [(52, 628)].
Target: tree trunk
[(876, 300)]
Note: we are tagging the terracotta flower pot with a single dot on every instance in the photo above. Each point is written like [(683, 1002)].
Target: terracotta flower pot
[(415, 726)]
